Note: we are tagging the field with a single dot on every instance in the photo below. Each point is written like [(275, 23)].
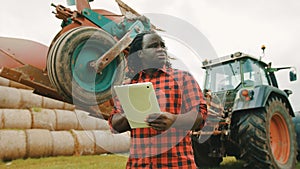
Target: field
[(92, 162)]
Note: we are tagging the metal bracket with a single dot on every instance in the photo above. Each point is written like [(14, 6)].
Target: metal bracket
[(122, 44)]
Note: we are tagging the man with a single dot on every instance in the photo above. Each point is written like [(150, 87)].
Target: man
[(167, 143)]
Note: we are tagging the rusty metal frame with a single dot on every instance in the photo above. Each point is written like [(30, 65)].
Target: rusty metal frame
[(32, 77)]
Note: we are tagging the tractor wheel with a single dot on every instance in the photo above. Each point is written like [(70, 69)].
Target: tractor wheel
[(267, 137), (201, 153), (69, 70)]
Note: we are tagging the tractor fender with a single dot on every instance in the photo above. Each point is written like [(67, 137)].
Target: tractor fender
[(259, 98)]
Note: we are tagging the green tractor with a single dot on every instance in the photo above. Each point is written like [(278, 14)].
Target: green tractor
[(249, 116)]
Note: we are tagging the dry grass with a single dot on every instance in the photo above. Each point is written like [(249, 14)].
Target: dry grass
[(92, 162)]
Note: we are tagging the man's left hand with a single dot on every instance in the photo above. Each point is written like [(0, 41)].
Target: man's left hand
[(161, 121)]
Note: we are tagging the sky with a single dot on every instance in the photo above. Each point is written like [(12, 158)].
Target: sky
[(223, 26)]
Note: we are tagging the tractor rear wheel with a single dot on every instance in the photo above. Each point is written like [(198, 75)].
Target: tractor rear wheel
[(69, 70), (267, 137)]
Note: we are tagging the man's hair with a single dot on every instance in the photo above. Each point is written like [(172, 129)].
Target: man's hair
[(133, 61)]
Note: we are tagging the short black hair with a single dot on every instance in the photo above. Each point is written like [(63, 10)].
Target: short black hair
[(133, 62)]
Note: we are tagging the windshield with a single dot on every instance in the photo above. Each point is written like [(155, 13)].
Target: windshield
[(228, 76), (223, 77)]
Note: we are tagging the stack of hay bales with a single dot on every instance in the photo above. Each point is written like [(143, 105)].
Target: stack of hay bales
[(36, 126)]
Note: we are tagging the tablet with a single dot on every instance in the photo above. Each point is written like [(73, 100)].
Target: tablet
[(138, 101)]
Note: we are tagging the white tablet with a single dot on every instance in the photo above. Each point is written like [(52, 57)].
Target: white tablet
[(138, 101)]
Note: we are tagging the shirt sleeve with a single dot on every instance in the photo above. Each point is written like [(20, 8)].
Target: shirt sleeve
[(193, 98)]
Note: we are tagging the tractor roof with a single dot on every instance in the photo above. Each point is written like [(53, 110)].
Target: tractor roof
[(229, 58)]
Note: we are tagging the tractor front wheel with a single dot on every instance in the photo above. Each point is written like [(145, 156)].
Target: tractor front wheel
[(267, 137)]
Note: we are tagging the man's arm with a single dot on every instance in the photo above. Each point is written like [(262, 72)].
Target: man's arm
[(119, 123), (192, 120)]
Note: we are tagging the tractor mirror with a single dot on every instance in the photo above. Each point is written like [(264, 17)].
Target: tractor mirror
[(293, 75)]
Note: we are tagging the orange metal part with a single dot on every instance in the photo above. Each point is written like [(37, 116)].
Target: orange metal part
[(280, 139), (16, 52)]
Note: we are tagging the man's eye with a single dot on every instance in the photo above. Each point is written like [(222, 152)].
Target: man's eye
[(155, 45)]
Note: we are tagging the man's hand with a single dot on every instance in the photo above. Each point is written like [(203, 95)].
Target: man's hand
[(161, 121)]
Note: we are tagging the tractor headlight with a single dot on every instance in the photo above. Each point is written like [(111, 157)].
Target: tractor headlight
[(246, 94)]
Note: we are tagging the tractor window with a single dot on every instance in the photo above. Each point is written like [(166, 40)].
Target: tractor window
[(223, 77), (254, 74)]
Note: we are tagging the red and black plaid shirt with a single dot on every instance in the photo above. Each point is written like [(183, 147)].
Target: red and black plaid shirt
[(177, 92)]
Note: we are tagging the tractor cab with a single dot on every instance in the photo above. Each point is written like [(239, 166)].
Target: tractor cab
[(234, 72)]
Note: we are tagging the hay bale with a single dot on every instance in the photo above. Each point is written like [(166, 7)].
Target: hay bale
[(4, 81), (102, 124), (63, 143), (113, 143), (39, 143), (68, 106), (84, 142), (9, 83), (85, 122), (56, 104), (12, 144), (43, 118), (16, 119), (29, 100), (66, 120), (9, 97)]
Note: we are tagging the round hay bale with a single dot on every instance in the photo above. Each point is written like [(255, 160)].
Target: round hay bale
[(84, 142), (66, 120), (63, 143), (113, 143), (52, 103), (85, 122), (29, 99), (16, 119), (39, 143), (43, 118), (9, 83), (4, 81), (102, 124), (12, 144), (9, 97), (68, 106)]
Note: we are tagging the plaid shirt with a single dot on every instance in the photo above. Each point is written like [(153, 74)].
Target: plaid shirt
[(177, 92)]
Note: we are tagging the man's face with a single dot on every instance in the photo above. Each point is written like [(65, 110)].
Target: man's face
[(153, 54)]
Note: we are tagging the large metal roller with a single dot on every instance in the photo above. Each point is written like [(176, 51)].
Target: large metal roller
[(69, 66)]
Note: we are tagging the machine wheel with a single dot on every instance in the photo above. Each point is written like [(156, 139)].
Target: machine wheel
[(69, 70), (201, 153), (267, 137)]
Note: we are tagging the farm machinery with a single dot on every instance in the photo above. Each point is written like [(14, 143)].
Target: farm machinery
[(86, 56), (249, 116)]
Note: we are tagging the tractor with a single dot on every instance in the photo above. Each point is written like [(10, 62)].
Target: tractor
[(249, 117)]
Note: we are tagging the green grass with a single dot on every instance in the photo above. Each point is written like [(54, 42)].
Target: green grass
[(92, 162)]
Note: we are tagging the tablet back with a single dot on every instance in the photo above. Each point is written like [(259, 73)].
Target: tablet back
[(138, 101)]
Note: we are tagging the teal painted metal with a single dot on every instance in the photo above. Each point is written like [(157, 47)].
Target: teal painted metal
[(125, 41), (118, 30), (87, 77)]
